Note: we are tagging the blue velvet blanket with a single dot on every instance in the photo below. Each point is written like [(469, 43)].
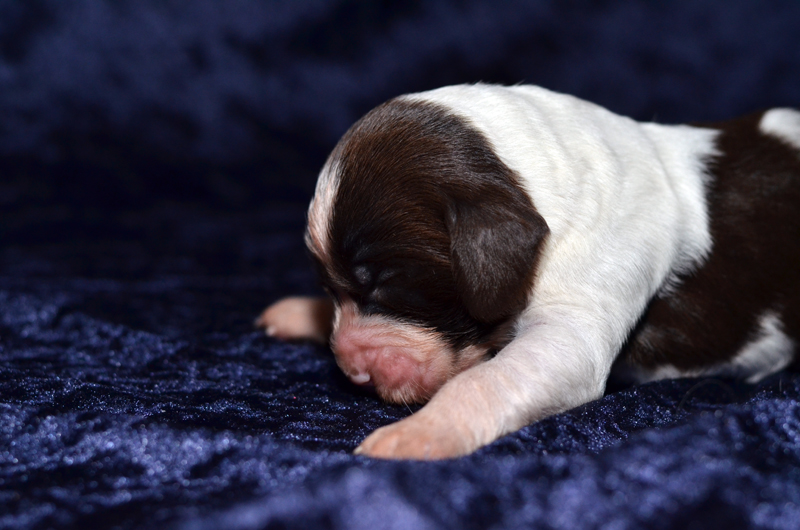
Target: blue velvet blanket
[(155, 162)]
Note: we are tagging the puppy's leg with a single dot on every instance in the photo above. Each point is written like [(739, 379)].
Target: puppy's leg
[(546, 370), (298, 318)]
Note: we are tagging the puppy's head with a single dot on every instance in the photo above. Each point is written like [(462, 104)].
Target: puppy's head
[(427, 243)]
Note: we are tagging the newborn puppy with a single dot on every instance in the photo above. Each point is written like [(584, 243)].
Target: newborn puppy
[(494, 250)]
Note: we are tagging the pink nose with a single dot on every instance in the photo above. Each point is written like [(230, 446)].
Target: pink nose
[(353, 358), (362, 379)]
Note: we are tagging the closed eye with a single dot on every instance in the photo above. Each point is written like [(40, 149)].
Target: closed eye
[(363, 275)]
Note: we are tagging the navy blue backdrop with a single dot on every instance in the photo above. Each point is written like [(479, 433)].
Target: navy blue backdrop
[(155, 162)]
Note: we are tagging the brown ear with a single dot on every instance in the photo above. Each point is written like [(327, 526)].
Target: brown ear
[(494, 244)]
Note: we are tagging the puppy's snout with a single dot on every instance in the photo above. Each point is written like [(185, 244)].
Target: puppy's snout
[(375, 360), (402, 363), (353, 358)]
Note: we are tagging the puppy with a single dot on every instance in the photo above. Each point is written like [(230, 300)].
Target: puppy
[(494, 250)]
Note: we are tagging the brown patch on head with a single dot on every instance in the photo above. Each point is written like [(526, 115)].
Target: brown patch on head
[(428, 226)]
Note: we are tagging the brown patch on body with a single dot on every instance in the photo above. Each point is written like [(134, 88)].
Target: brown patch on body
[(754, 266)]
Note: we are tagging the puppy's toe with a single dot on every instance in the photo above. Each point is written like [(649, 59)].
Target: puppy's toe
[(298, 318)]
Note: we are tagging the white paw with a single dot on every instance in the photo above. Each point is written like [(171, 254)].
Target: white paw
[(416, 438), (298, 318)]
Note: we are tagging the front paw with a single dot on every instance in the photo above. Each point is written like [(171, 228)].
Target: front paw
[(298, 318), (416, 438)]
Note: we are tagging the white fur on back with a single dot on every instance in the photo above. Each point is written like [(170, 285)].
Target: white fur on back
[(624, 202), (783, 124)]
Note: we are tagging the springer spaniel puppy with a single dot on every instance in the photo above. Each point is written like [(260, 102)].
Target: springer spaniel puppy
[(494, 250)]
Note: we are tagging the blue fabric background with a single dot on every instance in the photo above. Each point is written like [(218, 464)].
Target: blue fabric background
[(155, 161)]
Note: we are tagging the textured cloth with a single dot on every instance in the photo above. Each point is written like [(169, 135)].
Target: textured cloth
[(155, 162)]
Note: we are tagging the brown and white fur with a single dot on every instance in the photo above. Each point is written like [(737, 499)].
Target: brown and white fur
[(494, 250)]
